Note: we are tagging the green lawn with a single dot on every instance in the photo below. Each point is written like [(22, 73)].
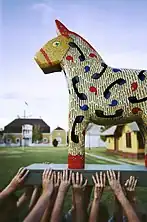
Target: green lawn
[(104, 153), (11, 159)]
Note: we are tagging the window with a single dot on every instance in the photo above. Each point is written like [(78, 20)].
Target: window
[(59, 139), (141, 144), (17, 140), (45, 140), (128, 140), (8, 140)]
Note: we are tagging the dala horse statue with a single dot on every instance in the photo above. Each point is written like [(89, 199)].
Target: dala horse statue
[(98, 93)]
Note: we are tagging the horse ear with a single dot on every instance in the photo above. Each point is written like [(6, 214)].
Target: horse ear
[(61, 29)]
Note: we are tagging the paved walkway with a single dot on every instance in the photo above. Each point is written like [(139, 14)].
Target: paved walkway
[(106, 159)]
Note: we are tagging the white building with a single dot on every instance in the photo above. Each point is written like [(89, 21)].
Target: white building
[(92, 138), (27, 132)]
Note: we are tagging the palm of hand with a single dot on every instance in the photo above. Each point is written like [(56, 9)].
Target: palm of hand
[(64, 184), (115, 185), (98, 188), (15, 183), (48, 186)]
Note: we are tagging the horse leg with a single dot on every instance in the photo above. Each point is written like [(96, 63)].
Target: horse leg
[(143, 130), (76, 150)]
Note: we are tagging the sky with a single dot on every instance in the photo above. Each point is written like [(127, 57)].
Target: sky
[(117, 29)]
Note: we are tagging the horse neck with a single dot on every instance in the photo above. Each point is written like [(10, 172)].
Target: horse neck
[(71, 64)]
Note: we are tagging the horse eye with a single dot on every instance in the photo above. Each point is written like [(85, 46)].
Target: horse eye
[(56, 44)]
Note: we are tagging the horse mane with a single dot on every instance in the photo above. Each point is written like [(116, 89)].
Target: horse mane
[(67, 33)]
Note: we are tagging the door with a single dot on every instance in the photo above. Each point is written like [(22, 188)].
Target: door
[(115, 143)]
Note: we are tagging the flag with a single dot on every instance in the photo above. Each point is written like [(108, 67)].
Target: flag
[(26, 103)]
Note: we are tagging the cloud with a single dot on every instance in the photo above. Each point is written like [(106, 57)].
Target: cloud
[(45, 12)]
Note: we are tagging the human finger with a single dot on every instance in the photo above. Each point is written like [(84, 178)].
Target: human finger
[(55, 177), (81, 179), (25, 175), (20, 170), (85, 184), (77, 178), (101, 179), (130, 181), (97, 179), (50, 172), (58, 177), (113, 175), (93, 178), (108, 176), (118, 176), (64, 175), (45, 173), (70, 175), (73, 178), (104, 179), (21, 173), (126, 183), (135, 183)]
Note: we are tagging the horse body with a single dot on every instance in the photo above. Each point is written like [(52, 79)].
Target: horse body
[(97, 93)]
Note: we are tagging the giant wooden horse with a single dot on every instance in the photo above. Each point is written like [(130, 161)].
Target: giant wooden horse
[(98, 93)]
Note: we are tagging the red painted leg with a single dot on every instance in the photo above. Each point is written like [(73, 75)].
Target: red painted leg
[(76, 162), (145, 160)]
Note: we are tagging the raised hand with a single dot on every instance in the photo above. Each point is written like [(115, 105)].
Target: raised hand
[(130, 186), (56, 179), (18, 181), (47, 182), (99, 184), (114, 181), (65, 180), (77, 182)]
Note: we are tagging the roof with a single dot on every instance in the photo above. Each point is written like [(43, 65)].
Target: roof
[(112, 130), (133, 126), (16, 125), (58, 128), (109, 132)]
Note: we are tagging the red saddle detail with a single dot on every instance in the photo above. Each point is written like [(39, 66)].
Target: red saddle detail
[(76, 162)]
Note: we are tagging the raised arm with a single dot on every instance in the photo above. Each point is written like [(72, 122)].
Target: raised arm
[(117, 189), (63, 189), (78, 191), (39, 209), (49, 208), (35, 196), (118, 210), (25, 197), (99, 184), (130, 186), (16, 183)]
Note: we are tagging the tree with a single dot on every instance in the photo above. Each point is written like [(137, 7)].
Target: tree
[(55, 143), (9, 137), (37, 135), (67, 140), (102, 129)]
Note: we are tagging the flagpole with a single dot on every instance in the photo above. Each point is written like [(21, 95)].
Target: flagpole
[(24, 114), (25, 110)]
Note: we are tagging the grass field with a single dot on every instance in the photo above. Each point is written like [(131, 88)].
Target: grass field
[(11, 159), (102, 152)]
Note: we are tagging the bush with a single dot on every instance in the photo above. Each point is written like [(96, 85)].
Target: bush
[(55, 143)]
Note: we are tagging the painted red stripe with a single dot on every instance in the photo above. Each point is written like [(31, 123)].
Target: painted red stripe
[(46, 56), (76, 162), (145, 160)]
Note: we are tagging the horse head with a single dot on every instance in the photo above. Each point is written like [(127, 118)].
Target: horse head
[(50, 56)]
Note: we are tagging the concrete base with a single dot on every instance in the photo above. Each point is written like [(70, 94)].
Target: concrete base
[(126, 171)]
